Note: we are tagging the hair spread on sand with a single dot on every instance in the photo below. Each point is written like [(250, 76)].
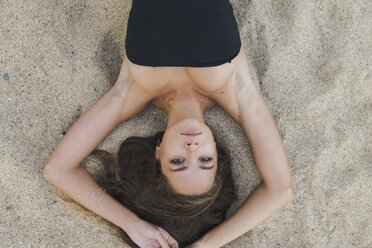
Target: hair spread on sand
[(135, 180)]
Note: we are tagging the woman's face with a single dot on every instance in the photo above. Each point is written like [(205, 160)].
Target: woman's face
[(188, 157)]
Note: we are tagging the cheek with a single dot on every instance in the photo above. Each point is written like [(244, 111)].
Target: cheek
[(163, 168), (171, 148)]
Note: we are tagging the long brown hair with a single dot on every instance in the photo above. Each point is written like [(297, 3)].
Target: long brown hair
[(136, 181)]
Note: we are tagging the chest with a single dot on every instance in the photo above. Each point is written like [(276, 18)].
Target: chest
[(160, 80)]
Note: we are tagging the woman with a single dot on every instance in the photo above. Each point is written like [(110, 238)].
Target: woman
[(184, 57)]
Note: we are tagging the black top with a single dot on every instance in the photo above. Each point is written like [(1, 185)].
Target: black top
[(191, 33)]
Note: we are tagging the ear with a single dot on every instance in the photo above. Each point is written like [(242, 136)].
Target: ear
[(157, 152)]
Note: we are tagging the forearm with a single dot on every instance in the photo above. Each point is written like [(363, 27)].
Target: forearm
[(78, 184), (259, 206), (276, 190), (63, 167)]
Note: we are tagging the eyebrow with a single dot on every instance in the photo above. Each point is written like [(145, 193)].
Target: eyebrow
[(185, 168)]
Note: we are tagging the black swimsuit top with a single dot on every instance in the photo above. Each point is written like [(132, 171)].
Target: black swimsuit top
[(192, 33)]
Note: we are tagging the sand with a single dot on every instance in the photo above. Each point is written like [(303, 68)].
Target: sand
[(312, 60)]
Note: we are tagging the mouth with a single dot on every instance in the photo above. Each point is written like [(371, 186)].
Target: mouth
[(191, 133)]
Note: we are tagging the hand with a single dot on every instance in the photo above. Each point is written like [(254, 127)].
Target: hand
[(147, 235)]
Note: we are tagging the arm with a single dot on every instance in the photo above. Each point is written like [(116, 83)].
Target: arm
[(276, 189), (63, 167)]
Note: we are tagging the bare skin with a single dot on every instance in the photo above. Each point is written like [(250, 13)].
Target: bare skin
[(185, 93)]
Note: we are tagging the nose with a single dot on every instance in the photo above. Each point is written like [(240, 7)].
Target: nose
[(192, 145)]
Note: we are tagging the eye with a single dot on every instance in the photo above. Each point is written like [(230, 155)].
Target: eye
[(205, 160), (177, 161)]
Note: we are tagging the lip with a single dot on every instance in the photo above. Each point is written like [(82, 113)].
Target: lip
[(191, 133)]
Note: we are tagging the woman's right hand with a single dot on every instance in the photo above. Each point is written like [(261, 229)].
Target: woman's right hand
[(147, 235)]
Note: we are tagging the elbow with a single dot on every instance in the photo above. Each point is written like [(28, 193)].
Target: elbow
[(47, 172), (288, 192), (291, 194), (286, 195), (285, 192)]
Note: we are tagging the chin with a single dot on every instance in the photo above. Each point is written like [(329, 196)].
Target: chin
[(193, 123)]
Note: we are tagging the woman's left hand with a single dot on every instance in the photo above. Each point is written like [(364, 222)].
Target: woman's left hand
[(147, 235)]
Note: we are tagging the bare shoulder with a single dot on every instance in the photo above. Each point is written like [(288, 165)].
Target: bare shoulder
[(129, 93), (239, 91), (228, 84)]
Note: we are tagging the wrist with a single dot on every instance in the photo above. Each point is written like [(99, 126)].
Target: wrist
[(129, 222), (205, 242)]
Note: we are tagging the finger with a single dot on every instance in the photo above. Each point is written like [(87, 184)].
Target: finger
[(173, 243), (161, 240), (153, 244)]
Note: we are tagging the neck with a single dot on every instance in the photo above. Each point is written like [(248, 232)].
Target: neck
[(185, 105)]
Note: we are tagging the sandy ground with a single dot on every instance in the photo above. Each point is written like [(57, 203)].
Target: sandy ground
[(311, 58)]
